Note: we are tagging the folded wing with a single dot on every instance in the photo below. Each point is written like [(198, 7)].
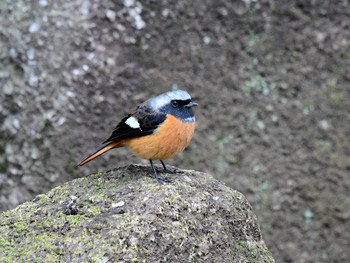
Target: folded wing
[(136, 125)]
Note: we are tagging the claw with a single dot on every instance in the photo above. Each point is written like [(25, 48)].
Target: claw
[(166, 170), (159, 178)]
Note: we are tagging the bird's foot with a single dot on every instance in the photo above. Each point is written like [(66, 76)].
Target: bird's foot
[(166, 170), (162, 179), (169, 171), (159, 178)]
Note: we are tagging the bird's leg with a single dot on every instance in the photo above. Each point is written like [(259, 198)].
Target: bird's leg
[(166, 169), (156, 175)]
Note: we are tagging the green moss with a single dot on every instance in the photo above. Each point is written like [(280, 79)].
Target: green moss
[(253, 250), (20, 226), (76, 220), (258, 84), (340, 160), (3, 167), (337, 98), (94, 210)]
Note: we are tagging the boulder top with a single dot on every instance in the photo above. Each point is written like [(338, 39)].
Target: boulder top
[(124, 215)]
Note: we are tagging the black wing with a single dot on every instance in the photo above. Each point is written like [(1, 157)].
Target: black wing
[(148, 123)]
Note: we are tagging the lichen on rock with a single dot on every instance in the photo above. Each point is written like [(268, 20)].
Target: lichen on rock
[(123, 215)]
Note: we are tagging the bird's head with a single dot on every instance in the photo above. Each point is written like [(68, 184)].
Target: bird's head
[(177, 103)]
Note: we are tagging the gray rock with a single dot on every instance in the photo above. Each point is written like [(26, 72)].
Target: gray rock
[(124, 215)]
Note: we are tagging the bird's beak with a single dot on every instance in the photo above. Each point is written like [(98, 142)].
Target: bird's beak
[(191, 104)]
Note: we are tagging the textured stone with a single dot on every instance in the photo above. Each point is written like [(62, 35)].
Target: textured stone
[(124, 215)]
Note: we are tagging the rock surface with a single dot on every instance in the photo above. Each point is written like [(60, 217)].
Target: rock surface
[(124, 215)]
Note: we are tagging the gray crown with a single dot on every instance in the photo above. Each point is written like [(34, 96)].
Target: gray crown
[(165, 98)]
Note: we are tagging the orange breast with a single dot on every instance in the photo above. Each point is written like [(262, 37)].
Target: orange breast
[(170, 138)]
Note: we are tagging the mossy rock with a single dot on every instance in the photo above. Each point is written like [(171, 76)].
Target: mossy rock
[(123, 215)]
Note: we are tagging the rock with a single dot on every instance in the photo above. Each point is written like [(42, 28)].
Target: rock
[(123, 215)]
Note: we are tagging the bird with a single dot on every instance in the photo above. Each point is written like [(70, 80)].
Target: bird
[(157, 129)]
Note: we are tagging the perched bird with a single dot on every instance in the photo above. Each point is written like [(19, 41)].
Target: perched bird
[(157, 129)]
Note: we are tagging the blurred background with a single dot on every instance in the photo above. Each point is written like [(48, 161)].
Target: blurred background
[(271, 78)]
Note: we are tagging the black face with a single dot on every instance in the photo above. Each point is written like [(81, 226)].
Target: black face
[(178, 109)]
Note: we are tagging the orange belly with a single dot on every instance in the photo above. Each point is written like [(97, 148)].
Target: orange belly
[(172, 137)]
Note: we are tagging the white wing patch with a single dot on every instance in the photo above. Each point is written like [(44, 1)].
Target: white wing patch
[(132, 122)]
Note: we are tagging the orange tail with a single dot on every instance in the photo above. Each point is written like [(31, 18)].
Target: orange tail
[(101, 151)]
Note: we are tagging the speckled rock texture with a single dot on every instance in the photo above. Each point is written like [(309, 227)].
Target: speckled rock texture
[(123, 215)]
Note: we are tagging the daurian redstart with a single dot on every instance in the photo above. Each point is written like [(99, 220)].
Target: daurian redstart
[(157, 129)]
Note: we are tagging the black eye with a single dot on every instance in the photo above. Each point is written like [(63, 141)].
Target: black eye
[(174, 103)]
